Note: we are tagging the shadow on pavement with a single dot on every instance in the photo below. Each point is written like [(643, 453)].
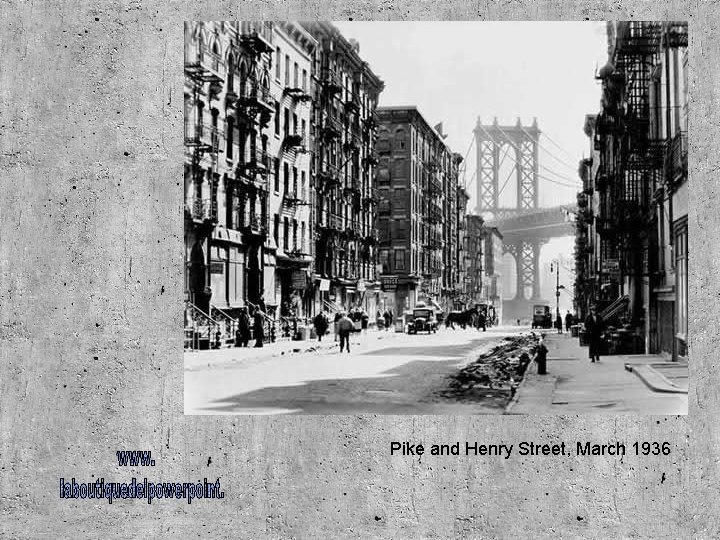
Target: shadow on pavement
[(406, 389)]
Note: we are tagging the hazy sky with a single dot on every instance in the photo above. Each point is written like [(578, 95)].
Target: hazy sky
[(456, 71)]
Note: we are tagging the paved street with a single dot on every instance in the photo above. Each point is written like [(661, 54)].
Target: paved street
[(386, 373)]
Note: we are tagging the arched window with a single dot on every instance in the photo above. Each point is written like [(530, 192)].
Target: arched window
[(243, 77), (231, 73)]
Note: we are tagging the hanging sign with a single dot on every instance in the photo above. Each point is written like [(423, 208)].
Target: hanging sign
[(324, 284)]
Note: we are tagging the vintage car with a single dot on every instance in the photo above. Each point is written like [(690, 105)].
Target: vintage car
[(541, 316), (423, 320)]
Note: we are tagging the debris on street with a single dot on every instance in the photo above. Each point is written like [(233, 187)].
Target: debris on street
[(496, 373)]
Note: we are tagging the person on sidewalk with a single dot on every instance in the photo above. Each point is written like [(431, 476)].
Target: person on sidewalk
[(345, 326), (338, 316), (259, 326), (321, 325), (569, 319), (558, 323), (594, 327), (243, 328)]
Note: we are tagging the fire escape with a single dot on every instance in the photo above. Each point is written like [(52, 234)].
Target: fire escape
[(254, 109)]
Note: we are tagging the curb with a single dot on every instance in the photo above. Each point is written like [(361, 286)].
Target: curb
[(653, 379)]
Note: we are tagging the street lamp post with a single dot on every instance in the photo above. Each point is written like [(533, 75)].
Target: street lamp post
[(556, 263)]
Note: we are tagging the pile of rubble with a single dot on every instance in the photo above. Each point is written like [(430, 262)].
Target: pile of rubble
[(496, 373)]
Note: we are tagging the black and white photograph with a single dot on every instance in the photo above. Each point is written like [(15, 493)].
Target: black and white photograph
[(436, 218), (389, 270)]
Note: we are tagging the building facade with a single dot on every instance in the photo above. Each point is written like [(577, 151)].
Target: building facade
[(632, 220), (280, 202), (343, 130), (228, 108), (290, 229), (417, 181)]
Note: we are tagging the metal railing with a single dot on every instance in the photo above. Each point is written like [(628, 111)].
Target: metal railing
[(200, 209), (202, 327), (202, 135), (257, 29), (676, 158), (252, 92)]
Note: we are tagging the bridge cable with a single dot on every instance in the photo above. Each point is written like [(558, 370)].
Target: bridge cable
[(574, 186), (557, 145), (539, 165), (549, 153)]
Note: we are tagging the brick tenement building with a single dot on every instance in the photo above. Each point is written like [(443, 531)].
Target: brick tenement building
[(228, 111), (632, 248), (342, 132), (417, 181)]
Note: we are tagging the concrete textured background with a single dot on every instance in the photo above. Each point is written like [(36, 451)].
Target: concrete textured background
[(91, 311)]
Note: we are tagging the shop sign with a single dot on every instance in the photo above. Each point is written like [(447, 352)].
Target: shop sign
[(611, 268), (298, 279), (217, 267), (389, 283), (324, 284)]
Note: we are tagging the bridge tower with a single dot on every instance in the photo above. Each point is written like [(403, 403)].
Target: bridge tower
[(522, 144)]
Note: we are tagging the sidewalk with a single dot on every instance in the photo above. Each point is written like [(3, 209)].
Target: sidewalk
[(622, 384), (208, 359)]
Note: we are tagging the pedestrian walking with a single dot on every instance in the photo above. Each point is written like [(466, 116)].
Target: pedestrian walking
[(364, 320), (259, 326), (594, 327), (481, 321), (345, 326), (558, 323), (338, 316), (321, 325), (388, 319), (569, 320)]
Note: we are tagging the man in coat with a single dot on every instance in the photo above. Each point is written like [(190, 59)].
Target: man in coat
[(321, 325), (243, 332), (569, 319), (259, 326), (594, 327), (345, 326)]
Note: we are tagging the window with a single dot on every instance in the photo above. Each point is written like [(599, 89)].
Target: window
[(294, 124), (304, 127), (286, 178), (230, 74), (276, 228), (295, 76), (286, 231), (277, 118), (286, 124), (276, 185), (399, 259), (304, 80), (384, 257), (277, 63), (302, 237), (287, 70), (295, 237), (303, 193), (294, 191), (229, 138)]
